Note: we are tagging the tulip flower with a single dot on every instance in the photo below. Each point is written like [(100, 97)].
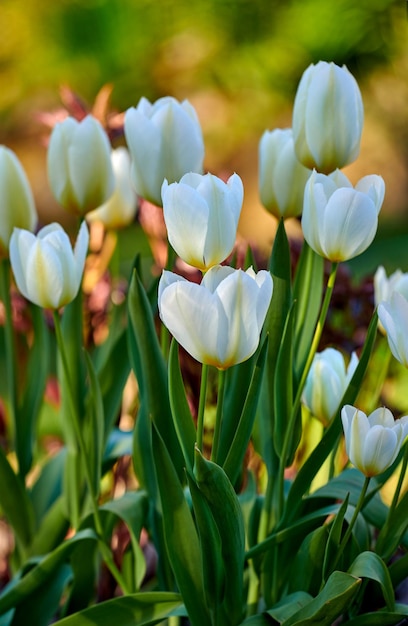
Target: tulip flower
[(165, 142), (384, 287), (393, 316), (17, 208), (120, 209), (218, 321), (327, 382), (373, 442), (201, 215), (339, 221), (47, 270), (327, 117), (282, 177), (79, 165)]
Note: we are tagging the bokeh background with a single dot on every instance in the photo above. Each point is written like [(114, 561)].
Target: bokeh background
[(237, 61)]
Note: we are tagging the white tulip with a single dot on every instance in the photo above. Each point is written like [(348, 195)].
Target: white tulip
[(79, 165), (327, 382), (121, 208), (47, 270), (165, 141), (327, 117), (373, 442), (282, 177), (201, 215), (17, 208), (339, 221), (393, 315), (218, 321)]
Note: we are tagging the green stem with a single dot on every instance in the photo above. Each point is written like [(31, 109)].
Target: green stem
[(218, 416), (347, 534), (201, 406), (105, 550), (398, 488), (9, 343), (296, 404)]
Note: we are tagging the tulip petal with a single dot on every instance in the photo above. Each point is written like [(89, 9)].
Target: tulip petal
[(380, 450)]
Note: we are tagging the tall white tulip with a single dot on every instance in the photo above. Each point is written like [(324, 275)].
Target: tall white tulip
[(17, 208), (79, 165), (327, 117), (282, 177), (218, 321), (339, 221), (201, 215), (385, 285), (373, 442), (47, 270), (165, 141), (120, 209), (327, 382), (393, 315)]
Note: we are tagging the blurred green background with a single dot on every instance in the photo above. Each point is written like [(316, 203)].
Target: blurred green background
[(237, 61)]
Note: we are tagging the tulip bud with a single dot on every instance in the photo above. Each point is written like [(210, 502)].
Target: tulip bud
[(218, 321), (201, 215), (165, 142), (121, 208), (79, 165), (339, 221), (17, 207), (327, 382), (327, 117), (282, 177), (393, 315), (47, 270), (373, 442)]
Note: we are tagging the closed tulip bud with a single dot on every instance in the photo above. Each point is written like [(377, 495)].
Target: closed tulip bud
[(201, 215), (393, 316), (120, 209), (79, 165), (47, 270), (165, 142), (17, 209), (327, 382), (218, 321), (373, 442), (282, 177), (327, 117), (339, 221)]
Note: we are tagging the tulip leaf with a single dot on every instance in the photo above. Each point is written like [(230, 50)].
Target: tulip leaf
[(214, 484), (330, 603), (306, 569), (36, 376), (181, 537), (392, 531), (151, 373), (180, 410), (370, 565), (307, 291), (243, 429), (94, 425), (334, 539), (381, 618), (289, 605), (143, 609), (316, 459)]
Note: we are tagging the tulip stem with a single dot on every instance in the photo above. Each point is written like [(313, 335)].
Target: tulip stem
[(296, 404), (218, 416), (201, 406), (398, 488), (105, 550), (347, 534)]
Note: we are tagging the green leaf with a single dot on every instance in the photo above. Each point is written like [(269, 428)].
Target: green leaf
[(334, 538), (370, 565), (181, 537), (392, 531), (30, 404), (309, 469), (225, 508), (42, 571), (15, 503), (94, 425), (142, 609), (307, 291), (331, 602), (290, 604), (180, 410), (381, 618), (243, 429), (306, 569)]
